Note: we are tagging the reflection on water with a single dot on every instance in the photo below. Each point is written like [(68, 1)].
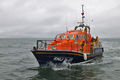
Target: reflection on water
[(75, 73), (89, 74)]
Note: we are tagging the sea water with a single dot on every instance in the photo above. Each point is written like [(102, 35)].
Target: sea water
[(18, 63)]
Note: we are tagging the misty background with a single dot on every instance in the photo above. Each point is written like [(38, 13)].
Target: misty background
[(46, 18)]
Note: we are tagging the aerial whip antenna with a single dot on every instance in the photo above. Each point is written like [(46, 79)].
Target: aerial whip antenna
[(66, 22)]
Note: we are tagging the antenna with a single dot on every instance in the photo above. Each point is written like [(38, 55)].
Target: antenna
[(76, 18), (66, 22), (66, 29)]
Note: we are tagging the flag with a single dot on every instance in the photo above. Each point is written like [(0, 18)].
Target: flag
[(83, 16), (82, 13)]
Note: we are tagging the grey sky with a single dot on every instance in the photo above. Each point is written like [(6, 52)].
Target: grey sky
[(46, 18)]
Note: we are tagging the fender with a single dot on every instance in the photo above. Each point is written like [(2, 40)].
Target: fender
[(85, 56)]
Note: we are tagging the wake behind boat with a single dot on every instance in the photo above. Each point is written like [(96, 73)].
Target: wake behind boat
[(73, 46)]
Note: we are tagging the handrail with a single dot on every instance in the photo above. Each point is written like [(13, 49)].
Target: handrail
[(43, 44)]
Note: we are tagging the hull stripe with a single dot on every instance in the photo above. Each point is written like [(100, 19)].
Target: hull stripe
[(68, 54)]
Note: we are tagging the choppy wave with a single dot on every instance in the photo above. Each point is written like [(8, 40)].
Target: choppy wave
[(18, 63)]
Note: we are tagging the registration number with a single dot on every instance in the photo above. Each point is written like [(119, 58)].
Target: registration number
[(62, 59)]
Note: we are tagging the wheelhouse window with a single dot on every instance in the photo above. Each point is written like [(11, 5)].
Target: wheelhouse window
[(57, 36), (62, 36), (79, 36), (70, 36), (76, 37), (83, 36)]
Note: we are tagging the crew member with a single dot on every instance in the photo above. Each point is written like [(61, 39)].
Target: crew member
[(96, 41), (92, 45), (82, 44), (85, 30)]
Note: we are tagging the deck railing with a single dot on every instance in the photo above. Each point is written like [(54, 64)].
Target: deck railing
[(43, 44)]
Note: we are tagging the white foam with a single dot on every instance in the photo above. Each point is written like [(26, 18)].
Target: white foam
[(57, 67), (66, 65), (63, 66), (98, 61)]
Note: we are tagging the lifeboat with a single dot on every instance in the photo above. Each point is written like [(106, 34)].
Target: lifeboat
[(75, 46)]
